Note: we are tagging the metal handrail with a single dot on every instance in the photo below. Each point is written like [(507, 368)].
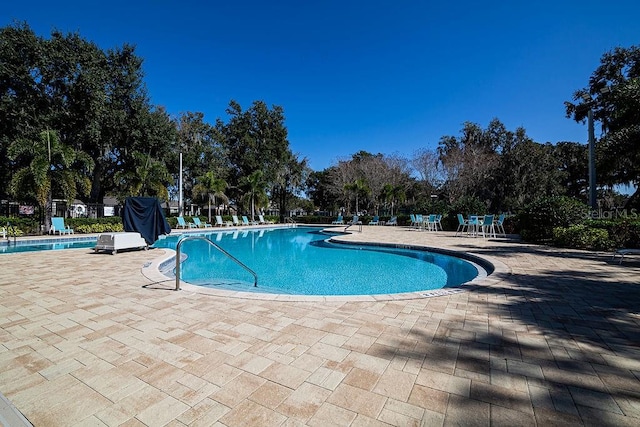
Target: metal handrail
[(215, 245), (290, 220), (351, 223)]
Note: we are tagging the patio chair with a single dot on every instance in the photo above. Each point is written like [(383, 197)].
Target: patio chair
[(463, 224), (58, 226), (235, 220), (487, 226), (392, 221), (438, 222), (339, 220), (220, 222), (431, 223), (499, 225), (414, 222), (183, 224), (200, 224), (375, 220)]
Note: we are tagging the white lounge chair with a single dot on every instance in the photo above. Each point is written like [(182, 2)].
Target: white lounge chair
[(220, 222), (263, 221)]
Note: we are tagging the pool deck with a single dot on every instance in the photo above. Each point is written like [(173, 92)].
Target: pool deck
[(551, 338)]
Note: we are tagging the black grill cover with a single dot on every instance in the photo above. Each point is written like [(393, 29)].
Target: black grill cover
[(144, 215)]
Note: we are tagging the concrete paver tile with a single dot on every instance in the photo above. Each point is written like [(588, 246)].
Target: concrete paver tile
[(331, 415)]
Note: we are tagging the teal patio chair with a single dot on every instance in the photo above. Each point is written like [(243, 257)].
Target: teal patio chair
[(375, 220), (339, 220), (58, 226), (487, 226), (235, 220), (463, 224), (499, 225)]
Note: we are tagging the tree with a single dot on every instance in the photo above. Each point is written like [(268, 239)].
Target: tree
[(613, 94), (254, 139), (358, 188), (52, 168), (211, 186), (201, 151), (149, 178), (255, 185), (318, 186)]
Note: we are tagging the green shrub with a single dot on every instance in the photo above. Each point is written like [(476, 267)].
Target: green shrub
[(582, 236), (23, 225), (98, 228), (537, 221)]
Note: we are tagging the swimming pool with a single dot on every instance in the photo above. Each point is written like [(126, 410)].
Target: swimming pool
[(302, 261), (47, 244)]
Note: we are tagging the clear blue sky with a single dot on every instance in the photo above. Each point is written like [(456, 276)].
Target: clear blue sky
[(380, 76)]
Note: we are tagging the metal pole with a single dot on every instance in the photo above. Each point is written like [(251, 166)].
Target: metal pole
[(592, 163), (180, 189)]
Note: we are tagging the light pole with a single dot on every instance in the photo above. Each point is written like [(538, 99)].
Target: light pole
[(592, 154), (592, 162)]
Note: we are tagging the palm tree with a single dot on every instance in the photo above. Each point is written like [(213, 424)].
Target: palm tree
[(212, 187), (49, 166), (149, 178), (358, 187), (393, 193), (255, 190)]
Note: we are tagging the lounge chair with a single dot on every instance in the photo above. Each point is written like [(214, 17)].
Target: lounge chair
[(392, 221), (375, 220), (58, 226), (235, 220), (414, 221), (220, 222), (200, 224), (3, 231), (245, 221), (183, 224), (624, 251), (339, 220), (263, 221)]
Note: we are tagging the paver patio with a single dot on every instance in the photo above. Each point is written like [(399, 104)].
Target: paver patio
[(551, 338)]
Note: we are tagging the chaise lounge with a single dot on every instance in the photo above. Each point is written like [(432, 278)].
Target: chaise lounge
[(58, 226)]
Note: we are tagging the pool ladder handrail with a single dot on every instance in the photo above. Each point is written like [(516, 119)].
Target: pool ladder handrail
[(359, 224), (291, 221), (215, 245)]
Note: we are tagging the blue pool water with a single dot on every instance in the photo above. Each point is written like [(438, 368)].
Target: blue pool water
[(300, 261), (46, 245)]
